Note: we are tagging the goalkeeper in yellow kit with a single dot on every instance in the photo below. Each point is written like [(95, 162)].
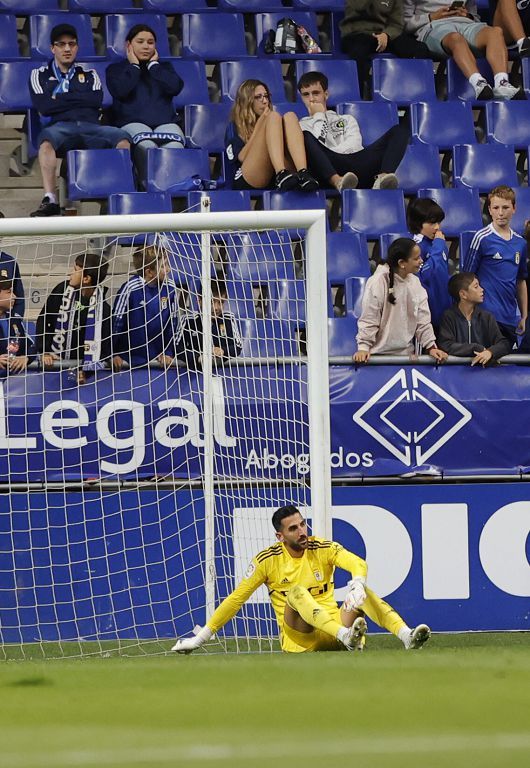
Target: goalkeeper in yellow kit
[(298, 572)]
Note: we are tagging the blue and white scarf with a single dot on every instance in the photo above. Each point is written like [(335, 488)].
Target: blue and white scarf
[(66, 323), (63, 78)]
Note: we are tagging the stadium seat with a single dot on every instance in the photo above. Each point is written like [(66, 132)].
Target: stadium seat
[(373, 211), (193, 75), (525, 68), (40, 26), (386, 239), (319, 5), (403, 81), (459, 87), (354, 295), (251, 6), (262, 257), (8, 38), (522, 209), (167, 168), (281, 201), (98, 173), (464, 242), (101, 68), (101, 6), (117, 25), (222, 200), (342, 76), (234, 72), (14, 91), (213, 36), (374, 117), (267, 21), (206, 125), (484, 166), (240, 300), (341, 336), (139, 202), (347, 256), (175, 6), (461, 206), (291, 106), (507, 122), (442, 123), (268, 338), (420, 167), (27, 7), (287, 301)]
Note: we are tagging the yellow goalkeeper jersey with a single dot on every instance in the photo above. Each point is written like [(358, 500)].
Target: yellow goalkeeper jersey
[(280, 571)]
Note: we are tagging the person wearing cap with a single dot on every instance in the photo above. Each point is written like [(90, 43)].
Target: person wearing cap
[(71, 97)]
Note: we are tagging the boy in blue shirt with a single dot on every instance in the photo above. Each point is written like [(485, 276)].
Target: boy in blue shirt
[(16, 347), (145, 313), (424, 217), (497, 255)]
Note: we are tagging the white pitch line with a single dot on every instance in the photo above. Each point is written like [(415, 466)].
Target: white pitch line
[(218, 753)]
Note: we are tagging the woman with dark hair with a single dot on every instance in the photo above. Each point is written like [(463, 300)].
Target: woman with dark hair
[(142, 89), (262, 148), (395, 311)]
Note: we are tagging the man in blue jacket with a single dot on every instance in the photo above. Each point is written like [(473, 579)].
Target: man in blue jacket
[(71, 97), (143, 88)]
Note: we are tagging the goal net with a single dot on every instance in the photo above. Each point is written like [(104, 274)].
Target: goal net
[(176, 393)]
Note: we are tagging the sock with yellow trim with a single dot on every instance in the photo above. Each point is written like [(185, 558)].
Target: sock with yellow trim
[(312, 613)]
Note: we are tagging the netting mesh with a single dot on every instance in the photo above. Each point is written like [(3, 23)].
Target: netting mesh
[(132, 500)]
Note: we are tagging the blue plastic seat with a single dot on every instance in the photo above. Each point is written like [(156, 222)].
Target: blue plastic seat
[(251, 6), (27, 7), (8, 38), (522, 209), (291, 106), (167, 167), (139, 202), (288, 301), (342, 76), (420, 167), (100, 67), (41, 25), (354, 295), (213, 36), (443, 123), (347, 256), (240, 300), (484, 166), (525, 68), (206, 125), (459, 87), (193, 75), (373, 211), (386, 239), (281, 201), (98, 173), (262, 257), (464, 242), (461, 207), (117, 25), (319, 5), (101, 6), (222, 200), (403, 81), (175, 6), (507, 122), (374, 117), (14, 91), (267, 21), (233, 73), (341, 336), (268, 338)]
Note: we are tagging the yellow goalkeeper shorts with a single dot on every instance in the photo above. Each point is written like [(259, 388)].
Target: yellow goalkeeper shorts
[(300, 642)]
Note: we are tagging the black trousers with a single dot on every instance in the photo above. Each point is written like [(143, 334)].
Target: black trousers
[(384, 155), (361, 47)]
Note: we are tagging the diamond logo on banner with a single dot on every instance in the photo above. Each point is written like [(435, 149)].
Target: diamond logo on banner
[(412, 417)]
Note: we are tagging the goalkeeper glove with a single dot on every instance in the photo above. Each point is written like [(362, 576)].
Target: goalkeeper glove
[(356, 595), (190, 644)]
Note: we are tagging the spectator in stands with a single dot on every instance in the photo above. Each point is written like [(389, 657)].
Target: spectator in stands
[(9, 270), (513, 17), (376, 26), (456, 30), (74, 324), (71, 97), (424, 217), (145, 312), (466, 329), (395, 310), (226, 336), (497, 255), (16, 347), (143, 88), (334, 143), (262, 148)]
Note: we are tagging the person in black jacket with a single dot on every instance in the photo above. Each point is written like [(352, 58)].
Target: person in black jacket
[(467, 330), (71, 97), (16, 347), (143, 88), (75, 324), (226, 336)]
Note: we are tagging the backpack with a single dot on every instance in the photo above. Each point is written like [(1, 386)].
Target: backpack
[(290, 38)]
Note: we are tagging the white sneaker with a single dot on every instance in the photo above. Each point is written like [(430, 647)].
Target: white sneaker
[(354, 638), (348, 181), (418, 637), (506, 91), (386, 181), (483, 90)]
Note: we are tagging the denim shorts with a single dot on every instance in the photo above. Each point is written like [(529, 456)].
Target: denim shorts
[(82, 135), (468, 28)]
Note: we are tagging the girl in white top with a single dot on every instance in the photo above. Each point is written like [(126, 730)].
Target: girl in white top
[(395, 310)]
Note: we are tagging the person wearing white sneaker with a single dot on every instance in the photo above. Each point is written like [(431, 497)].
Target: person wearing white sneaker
[(455, 30), (513, 17), (298, 572), (334, 145)]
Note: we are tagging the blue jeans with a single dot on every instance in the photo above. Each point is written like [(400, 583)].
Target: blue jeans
[(82, 135)]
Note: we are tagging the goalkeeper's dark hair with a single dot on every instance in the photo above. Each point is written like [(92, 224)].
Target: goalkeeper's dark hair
[(94, 266), (282, 513), (400, 250)]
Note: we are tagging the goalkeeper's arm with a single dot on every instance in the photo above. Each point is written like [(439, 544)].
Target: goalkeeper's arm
[(254, 578), (358, 569)]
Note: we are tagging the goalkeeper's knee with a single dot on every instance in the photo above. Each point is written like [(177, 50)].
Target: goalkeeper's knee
[(297, 594)]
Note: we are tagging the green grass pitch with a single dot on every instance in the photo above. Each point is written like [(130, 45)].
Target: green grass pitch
[(462, 701)]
